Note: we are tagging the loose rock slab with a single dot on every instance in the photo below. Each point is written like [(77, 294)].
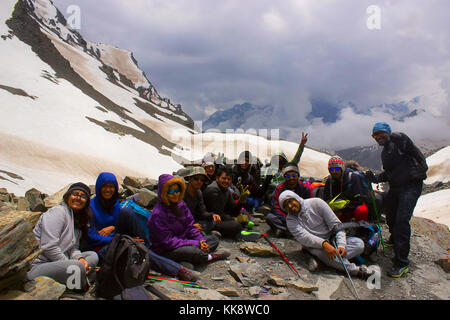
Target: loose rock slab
[(250, 274), (258, 250), (302, 286), (327, 286)]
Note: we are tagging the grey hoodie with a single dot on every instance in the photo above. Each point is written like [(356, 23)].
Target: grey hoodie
[(57, 236), (314, 223)]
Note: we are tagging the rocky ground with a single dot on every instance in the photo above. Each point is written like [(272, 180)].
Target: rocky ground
[(254, 270)]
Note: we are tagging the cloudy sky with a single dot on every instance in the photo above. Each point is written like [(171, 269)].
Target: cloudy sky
[(209, 55)]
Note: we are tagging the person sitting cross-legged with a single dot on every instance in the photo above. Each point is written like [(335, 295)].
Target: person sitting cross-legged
[(204, 221), (172, 230), (346, 186), (60, 231), (218, 199), (314, 225)]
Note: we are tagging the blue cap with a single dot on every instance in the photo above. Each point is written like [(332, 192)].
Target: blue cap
[(381, 126)]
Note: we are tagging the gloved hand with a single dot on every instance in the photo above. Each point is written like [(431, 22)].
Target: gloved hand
[(370, 176), (244, 195)]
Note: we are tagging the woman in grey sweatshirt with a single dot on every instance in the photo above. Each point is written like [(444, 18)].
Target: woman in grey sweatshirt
[(59, 232)]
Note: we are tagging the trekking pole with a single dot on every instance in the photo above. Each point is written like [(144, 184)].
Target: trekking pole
[(285, 259), (378, 220), (348, 274), (184, 283)]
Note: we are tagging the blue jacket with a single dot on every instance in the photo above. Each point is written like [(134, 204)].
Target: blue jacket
[(103, 218)]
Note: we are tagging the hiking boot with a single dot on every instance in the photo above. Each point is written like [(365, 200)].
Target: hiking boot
[(249, 236), (220, 255), (188, 275), (364, 272), (397, 271), (311, 263), (390, 242), (279, 233), (216, 233), (187, 265)]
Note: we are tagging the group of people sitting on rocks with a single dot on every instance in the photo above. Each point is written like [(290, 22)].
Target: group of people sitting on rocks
[(206, 203)]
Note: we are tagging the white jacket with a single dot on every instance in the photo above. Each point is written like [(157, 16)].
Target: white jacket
[(314, 223)]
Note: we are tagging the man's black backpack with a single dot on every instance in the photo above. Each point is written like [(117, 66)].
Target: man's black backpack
[(126, 265)]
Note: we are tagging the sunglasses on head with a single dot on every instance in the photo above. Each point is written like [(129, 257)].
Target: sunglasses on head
[(293, 175), (337, 169), (172, 191)]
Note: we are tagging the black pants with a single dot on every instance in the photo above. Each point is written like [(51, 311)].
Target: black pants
[(400, 203), (194, 254)]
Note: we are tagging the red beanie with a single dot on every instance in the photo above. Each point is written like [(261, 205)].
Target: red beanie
[(336, 161)]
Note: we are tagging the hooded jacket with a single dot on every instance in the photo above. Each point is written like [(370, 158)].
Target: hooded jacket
[(301, 190), (167, 230), (102, 217), (314, 223), (57, 236)]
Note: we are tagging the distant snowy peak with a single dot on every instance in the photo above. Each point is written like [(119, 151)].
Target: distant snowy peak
[(242, 116), (399, 111), (247, 115)]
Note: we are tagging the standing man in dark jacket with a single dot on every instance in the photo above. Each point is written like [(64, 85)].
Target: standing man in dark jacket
[(405, 169)]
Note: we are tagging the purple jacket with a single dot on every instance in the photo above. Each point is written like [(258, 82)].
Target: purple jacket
[(168, 231)]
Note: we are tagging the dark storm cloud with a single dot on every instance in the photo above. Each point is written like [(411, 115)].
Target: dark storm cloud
[(208, 54)]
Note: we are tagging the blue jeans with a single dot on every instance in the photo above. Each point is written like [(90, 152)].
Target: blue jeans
[(127, 223), (400, 203), (252, 203)]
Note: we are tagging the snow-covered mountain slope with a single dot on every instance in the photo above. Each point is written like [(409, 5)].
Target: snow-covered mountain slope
[(71, 109)]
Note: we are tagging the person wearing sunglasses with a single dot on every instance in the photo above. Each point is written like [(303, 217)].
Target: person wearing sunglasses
[(405, 168), (314, 225), (345, 193), (209, 164), (276, 218), (172, 230), (204, 220), (61, 232), (273, 173), (110, 219)]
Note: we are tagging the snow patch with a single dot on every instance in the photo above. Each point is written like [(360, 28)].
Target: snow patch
[(439, 166), (435, 206)]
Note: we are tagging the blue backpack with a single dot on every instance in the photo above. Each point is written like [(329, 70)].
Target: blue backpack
[(142, 213), (369, 233)]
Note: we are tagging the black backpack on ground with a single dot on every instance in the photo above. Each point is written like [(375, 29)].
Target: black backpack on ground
[(126, 265)]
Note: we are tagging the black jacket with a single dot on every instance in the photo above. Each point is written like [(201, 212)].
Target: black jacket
[(220, 201), (351, 189), (402, 160)]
